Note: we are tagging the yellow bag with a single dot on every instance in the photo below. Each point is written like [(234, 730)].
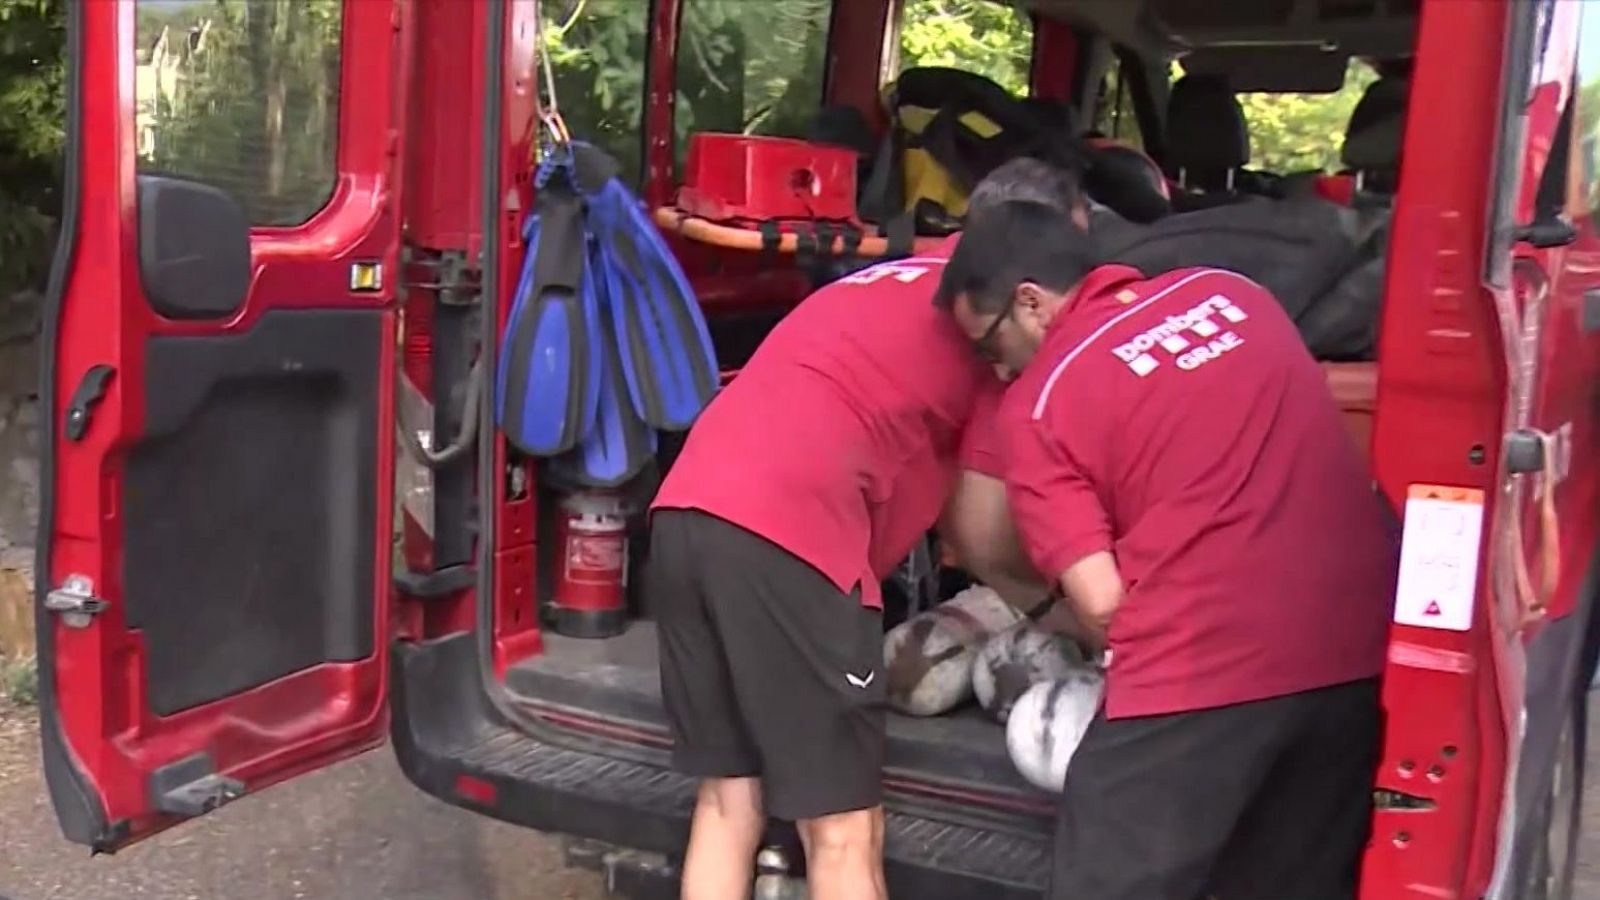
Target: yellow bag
[(948, 128)]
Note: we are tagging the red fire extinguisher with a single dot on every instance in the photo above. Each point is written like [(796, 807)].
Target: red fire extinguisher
[(591, 579)]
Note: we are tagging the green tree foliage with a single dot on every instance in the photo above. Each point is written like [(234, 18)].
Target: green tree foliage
[(32, 128), (243, 94), (976, 35), (742, 67), (1302, 132), (1585, 170)]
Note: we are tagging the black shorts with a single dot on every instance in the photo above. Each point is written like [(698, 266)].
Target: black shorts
[(1270, 800), (767, 668)]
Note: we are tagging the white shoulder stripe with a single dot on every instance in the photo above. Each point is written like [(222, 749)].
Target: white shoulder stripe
[(1055, 374)]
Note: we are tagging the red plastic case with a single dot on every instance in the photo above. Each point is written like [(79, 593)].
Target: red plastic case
[(734, 177)]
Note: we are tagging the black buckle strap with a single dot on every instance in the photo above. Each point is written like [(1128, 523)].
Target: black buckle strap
[(771, 237), (852, 241), (805, 246), (900, 232)]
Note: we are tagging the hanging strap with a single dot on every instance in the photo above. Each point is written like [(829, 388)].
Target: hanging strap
[(900, 232), (549, 109), (878, 194), (468, 435)]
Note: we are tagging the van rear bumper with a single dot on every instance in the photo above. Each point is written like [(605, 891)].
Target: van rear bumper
[(453, 743)]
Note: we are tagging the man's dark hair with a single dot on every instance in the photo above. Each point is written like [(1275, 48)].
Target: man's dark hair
[(1009, 243), (1027, 178)]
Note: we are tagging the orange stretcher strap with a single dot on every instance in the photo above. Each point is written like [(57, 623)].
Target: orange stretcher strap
[(731, 237)]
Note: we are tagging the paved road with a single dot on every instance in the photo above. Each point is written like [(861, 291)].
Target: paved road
[(358, 831)]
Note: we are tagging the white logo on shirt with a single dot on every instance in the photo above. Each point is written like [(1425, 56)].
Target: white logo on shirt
[(1192, 338), (904, 271), (859, 681)]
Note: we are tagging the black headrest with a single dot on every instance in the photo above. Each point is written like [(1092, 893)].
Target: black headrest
[(1372, 138), (1206, 131), (1125, 180)]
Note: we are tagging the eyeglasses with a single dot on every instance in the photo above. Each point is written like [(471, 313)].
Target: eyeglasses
[(985, 341)]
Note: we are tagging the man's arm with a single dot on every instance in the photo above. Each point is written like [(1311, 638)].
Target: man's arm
[(1092, 590), (1065, 529), (976, 524), (978, 528)]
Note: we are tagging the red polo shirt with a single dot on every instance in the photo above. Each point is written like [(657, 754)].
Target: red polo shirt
[(839, 440), (1180, 423)]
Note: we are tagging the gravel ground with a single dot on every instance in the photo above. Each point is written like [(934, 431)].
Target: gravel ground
[(357, 831)]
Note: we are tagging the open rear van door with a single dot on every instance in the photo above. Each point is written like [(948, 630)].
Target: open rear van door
[(217, 401)]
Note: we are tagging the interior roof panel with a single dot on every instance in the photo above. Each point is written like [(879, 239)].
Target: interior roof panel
[(1165, 27)]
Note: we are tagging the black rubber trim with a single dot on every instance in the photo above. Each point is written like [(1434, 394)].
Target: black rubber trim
[(78, 806), (434, 585), (617, 681), (454, 346), (444, 727), (488, 475)]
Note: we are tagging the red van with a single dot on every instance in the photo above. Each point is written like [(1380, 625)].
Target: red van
[(246, 574)]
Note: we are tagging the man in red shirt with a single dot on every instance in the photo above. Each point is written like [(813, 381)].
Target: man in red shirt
[(802, 485), (1177, 467)]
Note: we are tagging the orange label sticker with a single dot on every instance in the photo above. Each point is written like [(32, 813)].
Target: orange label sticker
[(1447, 492), (1439, 557)]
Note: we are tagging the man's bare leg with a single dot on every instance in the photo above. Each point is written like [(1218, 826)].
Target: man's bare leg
[(728, 818), (844, 855)]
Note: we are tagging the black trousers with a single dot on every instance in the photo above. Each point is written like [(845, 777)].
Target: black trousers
[(1270, 800), (767, 668)]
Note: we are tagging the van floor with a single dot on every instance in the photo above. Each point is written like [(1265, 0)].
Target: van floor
[(618, 678)]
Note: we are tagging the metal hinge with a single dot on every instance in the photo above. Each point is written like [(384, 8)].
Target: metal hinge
[(75, 601), (448, 275)]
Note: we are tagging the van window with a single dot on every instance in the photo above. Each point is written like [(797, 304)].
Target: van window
[(978, 36), (1295, 132), (1584, 170), (244, 97), (749, 67), (1114, 115), (597, 58)]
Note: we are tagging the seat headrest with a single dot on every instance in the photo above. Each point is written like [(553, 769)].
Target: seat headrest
[(1206, 130), (1127, 181), (1373, 136)]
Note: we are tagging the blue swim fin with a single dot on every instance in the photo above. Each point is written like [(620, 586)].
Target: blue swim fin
[(547, 387), (619, 445), (666, 354)]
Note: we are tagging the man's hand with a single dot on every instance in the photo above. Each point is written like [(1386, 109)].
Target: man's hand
[(1092, 588), (1060, 619)]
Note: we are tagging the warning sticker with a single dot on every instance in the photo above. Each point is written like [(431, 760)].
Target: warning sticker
[(1439, 557), (597, 559)]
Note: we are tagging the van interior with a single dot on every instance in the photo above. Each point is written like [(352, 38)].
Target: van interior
[(1183, 88)]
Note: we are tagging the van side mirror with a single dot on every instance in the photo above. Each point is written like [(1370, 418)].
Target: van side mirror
[(194, 249)]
